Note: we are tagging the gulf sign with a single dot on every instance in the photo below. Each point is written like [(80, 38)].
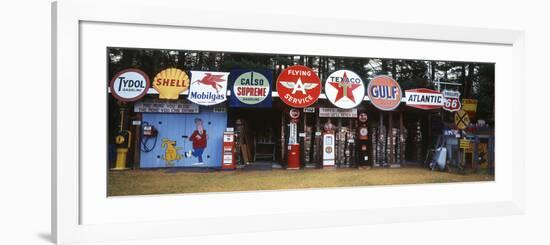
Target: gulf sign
[(298, 86), (384, 93), (129, 85), (425, 99)]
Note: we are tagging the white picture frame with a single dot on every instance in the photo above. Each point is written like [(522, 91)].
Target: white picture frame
[(70, 195)]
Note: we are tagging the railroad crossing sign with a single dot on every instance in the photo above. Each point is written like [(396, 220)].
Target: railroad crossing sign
[(461, 119)]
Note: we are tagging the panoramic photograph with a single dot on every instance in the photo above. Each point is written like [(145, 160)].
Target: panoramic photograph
[(194, 121)]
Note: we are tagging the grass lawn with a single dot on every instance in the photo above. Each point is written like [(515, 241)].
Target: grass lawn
[(161, 181)]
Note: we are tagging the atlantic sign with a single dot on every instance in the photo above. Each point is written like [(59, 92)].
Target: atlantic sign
[(298, 86), (384, 93), (129, 85), (423, 98), (208, 88), (344, 89)]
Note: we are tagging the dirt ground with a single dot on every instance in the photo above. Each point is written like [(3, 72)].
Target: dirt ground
[(163, 181)]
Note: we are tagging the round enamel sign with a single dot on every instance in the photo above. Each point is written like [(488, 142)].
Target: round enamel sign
[(298, 86), (294, 113), (384, 93), (251, 88), (363, 117), (345, 89), (129, 85)]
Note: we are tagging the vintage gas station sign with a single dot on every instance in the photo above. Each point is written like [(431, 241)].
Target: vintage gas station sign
[(129, 85), (169, 83), (363, 117), (298, 86), (344, 89), (208, 88), (384, 93), (337, 112), (423, 98), (452, 100), (165, 106), (470, 106), (250, 88)]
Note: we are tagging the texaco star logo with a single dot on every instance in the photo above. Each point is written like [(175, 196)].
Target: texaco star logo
[(345, 89)]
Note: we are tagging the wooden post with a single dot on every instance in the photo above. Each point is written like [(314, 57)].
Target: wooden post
[(137, 142), (283, 142), (389, 133), (402, 144)]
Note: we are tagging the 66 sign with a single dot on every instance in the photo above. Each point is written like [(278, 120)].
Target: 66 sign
[(452, 100)]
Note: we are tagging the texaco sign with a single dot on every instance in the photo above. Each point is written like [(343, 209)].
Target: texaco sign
[(344, 89)]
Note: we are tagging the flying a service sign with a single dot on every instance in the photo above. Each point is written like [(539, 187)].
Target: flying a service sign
[(129, 85), (208, 88), (298, 86), (345, 89), (423, 98), (250, 88)]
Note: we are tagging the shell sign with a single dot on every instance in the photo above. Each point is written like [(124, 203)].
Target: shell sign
[(384, 93), (169, 83)]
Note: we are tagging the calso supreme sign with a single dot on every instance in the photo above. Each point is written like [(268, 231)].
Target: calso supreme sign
[(129, 85), (251, 88)]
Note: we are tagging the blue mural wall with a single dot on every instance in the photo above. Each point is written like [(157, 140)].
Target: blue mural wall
[(173, 140)]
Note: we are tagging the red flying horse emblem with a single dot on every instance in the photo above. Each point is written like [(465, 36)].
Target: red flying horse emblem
[(211, 80)]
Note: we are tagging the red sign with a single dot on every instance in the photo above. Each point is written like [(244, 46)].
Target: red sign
[(423, 98), (298, 86), (452, 102), (384, 93)]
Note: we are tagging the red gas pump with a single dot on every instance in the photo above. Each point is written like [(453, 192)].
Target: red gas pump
[(293, 156), (229, 156)]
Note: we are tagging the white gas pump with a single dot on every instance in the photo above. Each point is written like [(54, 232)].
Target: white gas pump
[(328, 145)]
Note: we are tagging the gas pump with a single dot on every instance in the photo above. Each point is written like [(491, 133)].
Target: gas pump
[(328, 144), (122, 142), (229, 153), (362, 140), (293, 156)]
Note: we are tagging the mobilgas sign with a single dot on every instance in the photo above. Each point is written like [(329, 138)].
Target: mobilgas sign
[(129, 85), (250, 88), (344, 89), (423, 98), (384, 93), (208, 88)]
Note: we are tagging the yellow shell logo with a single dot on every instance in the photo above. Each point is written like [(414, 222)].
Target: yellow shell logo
[(170, 83)]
